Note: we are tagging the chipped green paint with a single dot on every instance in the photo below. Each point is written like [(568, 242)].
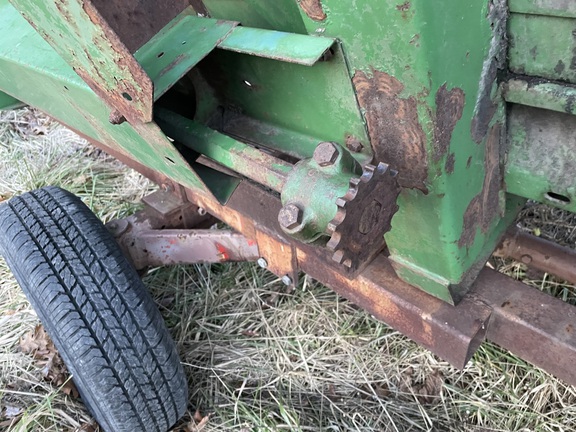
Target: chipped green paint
[(540, 156), (179, 46), (78, 33), (25, 58), (541, 94), (425, 76), (532, 53), (409, 83), (288, 47), (559, 8)]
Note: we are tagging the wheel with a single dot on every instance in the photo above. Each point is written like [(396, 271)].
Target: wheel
[(96, 309)]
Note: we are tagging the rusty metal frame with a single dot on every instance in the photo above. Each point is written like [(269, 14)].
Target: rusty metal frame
[(524, 320)]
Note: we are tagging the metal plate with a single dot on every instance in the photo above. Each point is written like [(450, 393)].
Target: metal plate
[(82, 37)]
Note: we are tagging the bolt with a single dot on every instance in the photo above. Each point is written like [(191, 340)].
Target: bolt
[(290, 217), (166, 187), (326, 154), (286, 280), (262, 262), (353, 144), (116, 118), (526, 259), (201, 211)]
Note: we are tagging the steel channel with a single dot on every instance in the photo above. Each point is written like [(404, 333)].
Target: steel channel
[(529, 323), (540, 254), (235, 155), (170, 247)]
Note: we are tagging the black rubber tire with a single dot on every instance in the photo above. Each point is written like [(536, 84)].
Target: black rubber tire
[(96, 309)]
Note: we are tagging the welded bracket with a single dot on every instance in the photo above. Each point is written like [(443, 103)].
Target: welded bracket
[(161, 235)]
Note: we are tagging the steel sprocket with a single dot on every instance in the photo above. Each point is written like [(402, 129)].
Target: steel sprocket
[(364, 216)]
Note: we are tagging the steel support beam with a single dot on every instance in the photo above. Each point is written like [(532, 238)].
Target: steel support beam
[(529, 323), (540, 254)]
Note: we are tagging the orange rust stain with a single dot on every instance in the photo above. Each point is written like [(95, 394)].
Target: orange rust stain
[(449, 109), (485, 207), (394, 127), (313, 8), (223, 252)]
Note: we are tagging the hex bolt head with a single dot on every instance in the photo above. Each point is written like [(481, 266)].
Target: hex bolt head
[(201, 211), (326, 154), (262, 262), (290, 217), (286, 280)]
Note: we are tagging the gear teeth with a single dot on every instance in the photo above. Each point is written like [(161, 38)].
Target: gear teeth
[(351, 248)]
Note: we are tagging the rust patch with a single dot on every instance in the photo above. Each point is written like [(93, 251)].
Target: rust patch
[(449, 109), (485, 106), (313, 8), (404, 8), (136, 22), (394, 128), (449, 165), (484, 207), (200, 7)]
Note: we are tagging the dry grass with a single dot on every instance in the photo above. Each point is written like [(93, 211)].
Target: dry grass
[(259, 359)]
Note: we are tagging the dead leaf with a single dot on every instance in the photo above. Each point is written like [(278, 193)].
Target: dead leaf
[(250, 333), (86, 427), (53, 369), (427, 392), (198, 422), (12, 411), (35, 341), (197, 416)]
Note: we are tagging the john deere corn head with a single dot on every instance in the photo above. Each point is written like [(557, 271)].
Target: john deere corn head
[(383, 147)]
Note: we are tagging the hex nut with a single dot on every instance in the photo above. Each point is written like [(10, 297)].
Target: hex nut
[(290, 217), (326, 154)]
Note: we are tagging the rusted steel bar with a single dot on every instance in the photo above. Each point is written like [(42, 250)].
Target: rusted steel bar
[(154, 248), (242, 158), (531, 324), (540, 254)]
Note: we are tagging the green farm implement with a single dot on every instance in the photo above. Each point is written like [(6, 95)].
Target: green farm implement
[(382, 147)]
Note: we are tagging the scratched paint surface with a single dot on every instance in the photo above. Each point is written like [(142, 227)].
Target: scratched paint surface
[(424, 78), (63, 94), (81, 37), (414, 84)]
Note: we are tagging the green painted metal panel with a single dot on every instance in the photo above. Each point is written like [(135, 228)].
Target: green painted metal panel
[(179, 46), (80, 36), (280, 15), (543, 46), (288, 47), (425, 81), (547, 95), (7, 102), (413, 82), (289, 101), (25, 58), (540, 156), (560, 8), (228, 152)]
